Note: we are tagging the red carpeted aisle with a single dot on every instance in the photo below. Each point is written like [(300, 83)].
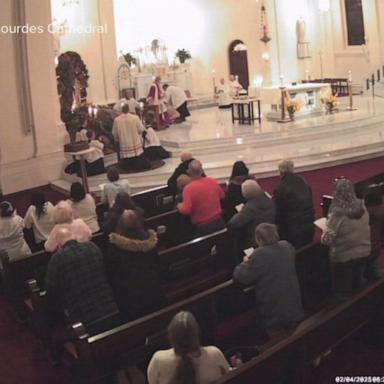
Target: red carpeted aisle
[(22, 362)]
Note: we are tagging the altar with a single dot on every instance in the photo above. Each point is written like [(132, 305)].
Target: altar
[(309, 95)]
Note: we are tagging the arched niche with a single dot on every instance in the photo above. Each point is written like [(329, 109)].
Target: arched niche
[(238, 61)]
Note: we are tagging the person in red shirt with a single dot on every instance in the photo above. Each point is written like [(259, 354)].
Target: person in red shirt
[(202, 201)]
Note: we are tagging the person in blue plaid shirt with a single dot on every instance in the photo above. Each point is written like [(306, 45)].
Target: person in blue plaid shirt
[(76, 282)]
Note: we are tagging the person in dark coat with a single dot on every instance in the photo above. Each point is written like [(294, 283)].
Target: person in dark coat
[(259, 208), (122, 202), (271, 268), (132, 267), (182, 169), (294, 207), (233, 195), (375, 206)]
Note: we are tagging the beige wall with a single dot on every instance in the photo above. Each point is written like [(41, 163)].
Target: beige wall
[(33, 158)]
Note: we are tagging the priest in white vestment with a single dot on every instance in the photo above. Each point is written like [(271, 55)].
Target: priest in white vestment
[(128, 133), (133, 104), (223, 94), (178, 99), (234, 85)]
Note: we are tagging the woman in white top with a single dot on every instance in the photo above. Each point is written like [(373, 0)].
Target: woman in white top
[(39, 217), (63, 217), (84, 207), (11, 233), (187, 362)]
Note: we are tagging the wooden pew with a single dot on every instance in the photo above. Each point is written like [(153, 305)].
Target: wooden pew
[(131, 344), (291, 360), (172, 228)]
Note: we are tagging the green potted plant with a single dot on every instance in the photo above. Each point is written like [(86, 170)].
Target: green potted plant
[(129, 59), (182, 55)]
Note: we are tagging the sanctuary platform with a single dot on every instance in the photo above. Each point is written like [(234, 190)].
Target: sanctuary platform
[(312, 142)]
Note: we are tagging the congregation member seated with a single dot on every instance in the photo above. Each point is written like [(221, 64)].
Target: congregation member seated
[(202, 201), (39, 217), (128, 133), (115, 185), (347, 234), (94, 161), (294, 207), (11, 232), (187, 361), (84, 207), (176, 97), (77, 286), (259, 208), (63, 217), (375, 205), (122, 202), (271, 268), (233, 195), (182, 169), (133, 269)]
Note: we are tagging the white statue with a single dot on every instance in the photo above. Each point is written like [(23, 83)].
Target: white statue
[(302, 41)]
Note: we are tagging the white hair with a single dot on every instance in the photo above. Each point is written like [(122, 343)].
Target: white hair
[(250, 189)]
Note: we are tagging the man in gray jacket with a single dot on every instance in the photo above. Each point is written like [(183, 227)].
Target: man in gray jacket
[(271, 267), (259, 208)]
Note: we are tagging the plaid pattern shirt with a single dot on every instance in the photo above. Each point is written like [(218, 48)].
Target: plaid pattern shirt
[(76, 280)]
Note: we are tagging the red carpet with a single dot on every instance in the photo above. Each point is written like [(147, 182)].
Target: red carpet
[(22, 362)]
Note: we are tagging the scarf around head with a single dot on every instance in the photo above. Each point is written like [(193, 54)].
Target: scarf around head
[(345, 200)]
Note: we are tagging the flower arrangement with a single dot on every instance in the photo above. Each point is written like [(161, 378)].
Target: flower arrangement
[(182, 55), (330, 101), (293, 106)]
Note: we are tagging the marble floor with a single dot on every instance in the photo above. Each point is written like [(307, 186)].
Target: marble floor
[(313, 142)]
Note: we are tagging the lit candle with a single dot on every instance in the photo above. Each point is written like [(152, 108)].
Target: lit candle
[(95, 112), (141, 105), (349, 75), (90, 111), (281, 80)]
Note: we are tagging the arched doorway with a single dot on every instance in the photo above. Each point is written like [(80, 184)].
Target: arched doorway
[(238, 62)]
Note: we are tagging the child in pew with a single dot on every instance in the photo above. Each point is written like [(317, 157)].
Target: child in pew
[(11, 233), (115, 185), (187, 361), (132, 267), (122, 202)]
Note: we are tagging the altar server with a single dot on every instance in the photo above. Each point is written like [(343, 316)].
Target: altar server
[(223, 94), (176, 96)]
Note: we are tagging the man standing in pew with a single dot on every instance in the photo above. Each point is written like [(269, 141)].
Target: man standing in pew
[(202, 201), (271, 268), (77, 285)]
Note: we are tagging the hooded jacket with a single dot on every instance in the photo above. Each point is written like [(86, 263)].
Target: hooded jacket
[(133, 273)]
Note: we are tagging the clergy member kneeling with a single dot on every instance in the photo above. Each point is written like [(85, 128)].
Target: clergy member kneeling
[(178, 99), (128, 133)]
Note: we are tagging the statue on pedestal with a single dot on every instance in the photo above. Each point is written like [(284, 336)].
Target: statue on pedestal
[(302, 41)]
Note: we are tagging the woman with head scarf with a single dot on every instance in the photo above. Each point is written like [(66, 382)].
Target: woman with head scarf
[(348, 235)]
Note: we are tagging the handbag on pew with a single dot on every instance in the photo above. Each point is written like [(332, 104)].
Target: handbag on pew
[(237, 356)]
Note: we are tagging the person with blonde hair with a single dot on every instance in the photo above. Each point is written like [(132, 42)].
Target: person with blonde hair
[(187, 361), (271, 268), (63, 217)]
